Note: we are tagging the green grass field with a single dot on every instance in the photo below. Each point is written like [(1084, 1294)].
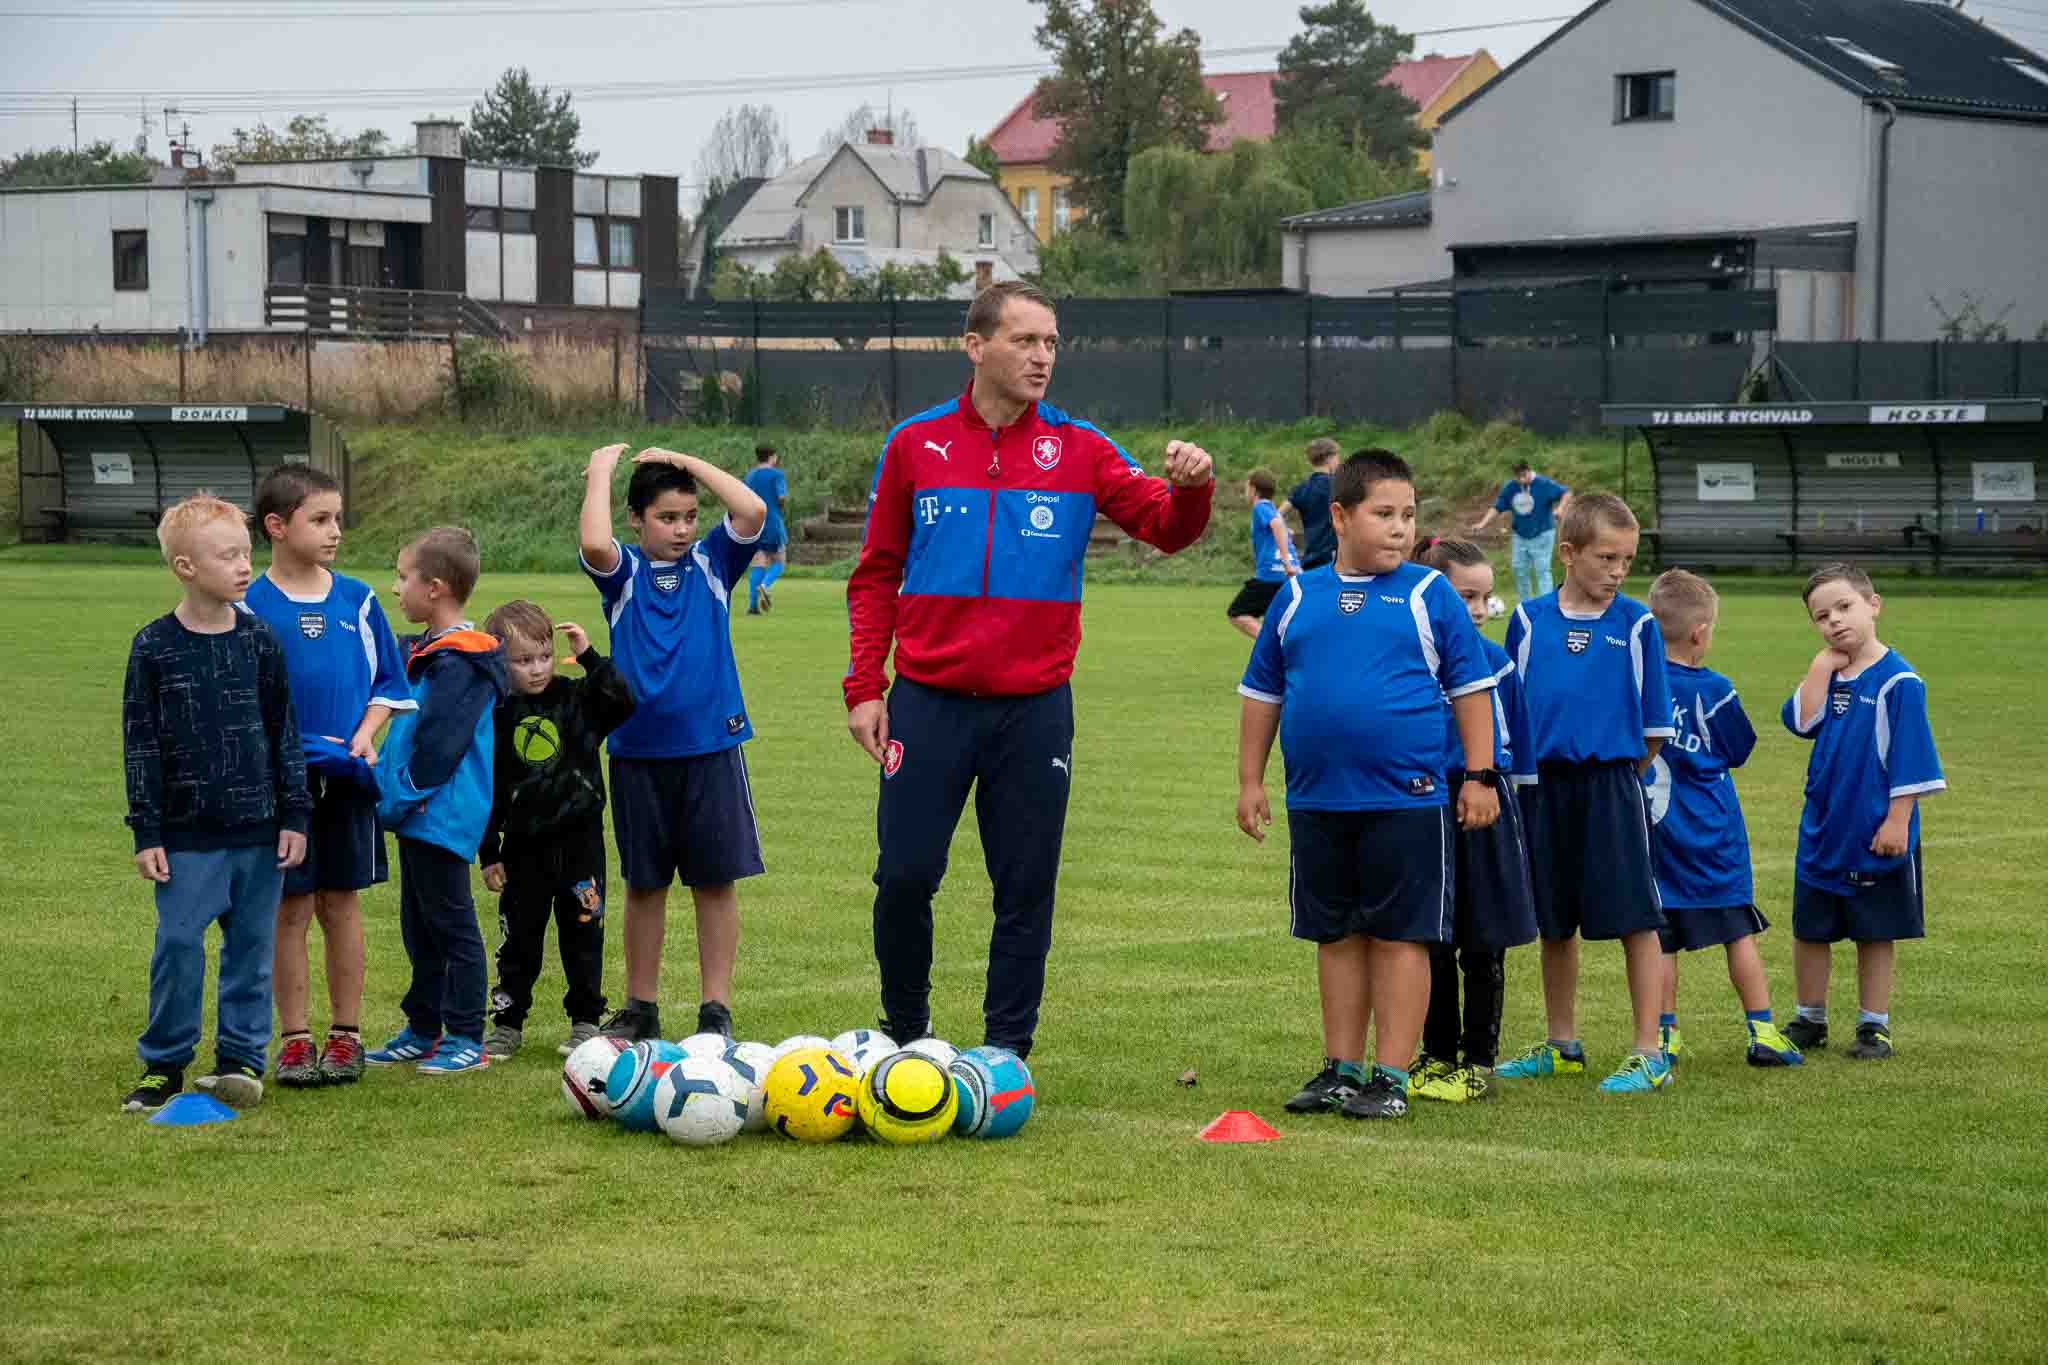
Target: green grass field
[(1839, 1212)]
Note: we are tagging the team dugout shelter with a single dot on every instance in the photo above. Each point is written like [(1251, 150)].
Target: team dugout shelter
[(1922, 486), (107, 471)]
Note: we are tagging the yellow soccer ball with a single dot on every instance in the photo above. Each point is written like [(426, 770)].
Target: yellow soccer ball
[(907, 1097), (809, 1095)]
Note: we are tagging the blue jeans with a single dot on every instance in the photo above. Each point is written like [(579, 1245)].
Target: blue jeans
[(239, 887), (1530, 557)]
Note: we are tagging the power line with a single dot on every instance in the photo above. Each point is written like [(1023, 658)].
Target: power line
[(411, 11)]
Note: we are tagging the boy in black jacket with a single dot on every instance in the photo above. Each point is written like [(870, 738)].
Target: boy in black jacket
[(543, 851)]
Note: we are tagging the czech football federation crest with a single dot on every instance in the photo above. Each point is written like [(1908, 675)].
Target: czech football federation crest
[(1350, 600), (1576, 640), (1045, 451), (1838, 700), (312, 624), (667, 580), (892, 758)]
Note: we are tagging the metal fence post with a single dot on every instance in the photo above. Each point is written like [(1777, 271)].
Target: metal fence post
[(618, 397), (455, 373), (1308, 354), (895, 375), (760, 400), (307, 348), (1457, 397), (1166, 357)]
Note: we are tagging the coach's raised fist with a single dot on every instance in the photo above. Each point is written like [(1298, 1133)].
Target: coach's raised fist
[(1187, 464)]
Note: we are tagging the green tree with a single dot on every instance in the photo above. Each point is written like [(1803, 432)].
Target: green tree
[(819, 277), (1333, 74), (1210, 220), (516, 124), (1120, 87), (305, 137), (982, 157), (1318, 159), (95, 164), (1082, 263)]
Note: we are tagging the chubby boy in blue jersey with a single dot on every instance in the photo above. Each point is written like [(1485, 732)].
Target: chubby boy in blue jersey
[(1697, 834), (681, 805), (347, 680), (1273, 560), (1351, 670), (1592, 670), (771, 551), (434, 793), (1858, 868)]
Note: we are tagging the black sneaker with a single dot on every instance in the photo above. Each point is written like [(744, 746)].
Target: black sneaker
[(233, 1083), (1381, 1099), (1328, 1089), (907, 1034), (634, 1023), (714, 1017), (159, 1085), (1873, 1043), (1806, 1034)]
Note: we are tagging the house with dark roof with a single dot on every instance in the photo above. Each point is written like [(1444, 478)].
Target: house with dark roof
[(1883, 164)]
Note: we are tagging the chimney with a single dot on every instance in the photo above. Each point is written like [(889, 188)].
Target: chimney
[(881, 137), (438, 137), (177, 157)]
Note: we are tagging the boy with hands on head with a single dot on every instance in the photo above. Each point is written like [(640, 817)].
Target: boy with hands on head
[(681, 806)]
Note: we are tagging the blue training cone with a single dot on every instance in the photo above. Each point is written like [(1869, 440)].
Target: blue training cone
[(191, 1109)]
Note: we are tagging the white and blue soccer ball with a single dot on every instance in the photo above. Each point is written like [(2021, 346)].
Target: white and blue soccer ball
[(800, 1040), (630, 1086), (854, 1039), (585, 1074), (710, 1045), (751, 1061), (700, 1102), (938, 1049), (1495, 608), (995, 1091), (867, 1054)]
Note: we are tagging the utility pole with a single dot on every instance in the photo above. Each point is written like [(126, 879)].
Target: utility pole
[(74, 125)]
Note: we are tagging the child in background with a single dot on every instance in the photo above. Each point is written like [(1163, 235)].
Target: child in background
[(1273, 561), (771, 551), (1311, 500), (217, 799), (1697, 833), (1858, 869)]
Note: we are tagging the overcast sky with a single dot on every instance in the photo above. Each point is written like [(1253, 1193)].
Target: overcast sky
[(383, 63)]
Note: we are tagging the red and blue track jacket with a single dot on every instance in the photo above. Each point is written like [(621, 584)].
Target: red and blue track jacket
[(971, 562)]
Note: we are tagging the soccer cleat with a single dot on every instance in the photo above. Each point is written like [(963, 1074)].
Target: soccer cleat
[(1672, 1043), (1768, 1047), (1873, 1043), (1328, 1089), (753, 609), (341, 1060), (579, 1034), (405, 1046), (714, 1017), (633, 1023), (159, 1084), (503, 1042), (767, 602), (454, 1054), (1382, 1098), (1425, 1069), (233, 1083), (1449, 1085), (1638, 1075), (1807, 1034), (1541, 1060), (298, 1065)]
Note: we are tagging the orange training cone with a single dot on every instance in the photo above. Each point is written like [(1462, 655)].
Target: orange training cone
[(1238, 1125)]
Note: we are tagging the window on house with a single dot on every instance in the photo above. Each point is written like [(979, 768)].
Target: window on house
[(621, 241), (131, 260), (588, 250), (481, 219), (1867, 57), (516, 220), (849, 224), (1027, 204), (1060, 209), (985, 230), (365, 267), (1646, 96), (287, 258)]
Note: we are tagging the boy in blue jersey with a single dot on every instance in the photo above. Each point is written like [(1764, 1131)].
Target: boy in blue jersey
[(681, 806), (1593, 679), (1351, 670), (434, 793), (771, 551), (1858, 869), (1273, 561), (347, 680), (1495, 908), (1697, 835)]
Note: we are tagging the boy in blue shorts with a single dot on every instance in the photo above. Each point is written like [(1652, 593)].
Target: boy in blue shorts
[(1592, 670), (434, 793), (347, 680), (1273, 561), (681, 806), (1351, 669), (771, 551), (1858, 869), (1697, 835)]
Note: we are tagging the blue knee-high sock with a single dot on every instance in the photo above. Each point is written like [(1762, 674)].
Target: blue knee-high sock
[(754, 585), (771, 573)]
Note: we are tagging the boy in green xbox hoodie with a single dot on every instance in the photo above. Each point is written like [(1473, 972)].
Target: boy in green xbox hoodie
[(543, 851)]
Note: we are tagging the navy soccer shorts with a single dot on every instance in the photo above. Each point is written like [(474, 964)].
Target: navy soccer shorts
[(1496, 909), (1891, 905), (1589, 851), (1686, 930), (1384, 874), (344, 842), (688, 819)]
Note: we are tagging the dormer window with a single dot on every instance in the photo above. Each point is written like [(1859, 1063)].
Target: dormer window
[(1646, 97), (1889, 70)]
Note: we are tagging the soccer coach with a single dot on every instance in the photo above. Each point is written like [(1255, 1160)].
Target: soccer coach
[(971, 568)]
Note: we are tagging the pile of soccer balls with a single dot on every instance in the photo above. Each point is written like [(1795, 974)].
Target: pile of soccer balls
[(708, 1089)]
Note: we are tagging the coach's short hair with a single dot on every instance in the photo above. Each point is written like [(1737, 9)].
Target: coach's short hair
[(1680, 601), (1591, 513), (284, 488), (187, 515), (528, 620), (1838, 569), (985, 314), (450, 554), (1364, 468)]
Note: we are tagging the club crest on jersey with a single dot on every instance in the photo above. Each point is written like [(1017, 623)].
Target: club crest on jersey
[(1045, 451), (1838, 700), (892, 758), (667, 580), (1041, 518), (1350, 600), (312, 624), (1576, 640)]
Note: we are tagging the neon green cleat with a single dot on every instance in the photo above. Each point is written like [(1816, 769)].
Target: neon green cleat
[(1425, 1070), (1674, 1046), (1769, 1047), (1454, 1085), (1541, 1060)]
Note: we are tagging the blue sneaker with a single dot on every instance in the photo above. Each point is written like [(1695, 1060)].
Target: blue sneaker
[(452, 1055), (1639, 1074), (406, 1047), (1542, 1060)]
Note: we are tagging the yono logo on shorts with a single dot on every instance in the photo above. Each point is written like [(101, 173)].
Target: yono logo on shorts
[(1576, 640), (892, 758)]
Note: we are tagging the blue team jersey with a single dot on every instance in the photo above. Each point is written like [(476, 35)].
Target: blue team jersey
[(1510, 719), (672, 643), (1701, 843), (1871, 743), (1595, 686), (1267, 566), (1531, 506), (339, 653), (773, 487), (1360, 667)]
